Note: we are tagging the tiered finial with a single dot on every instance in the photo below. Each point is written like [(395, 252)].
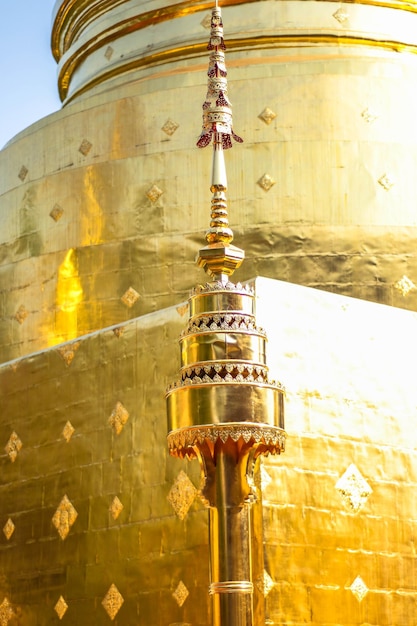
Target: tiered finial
[(218, 258)]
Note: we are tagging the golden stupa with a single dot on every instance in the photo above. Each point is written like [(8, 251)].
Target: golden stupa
[(103, 208)]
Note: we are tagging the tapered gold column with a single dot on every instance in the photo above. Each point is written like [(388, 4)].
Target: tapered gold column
[(224, 410)]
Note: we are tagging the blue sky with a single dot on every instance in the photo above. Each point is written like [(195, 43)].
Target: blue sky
[(27, 68)]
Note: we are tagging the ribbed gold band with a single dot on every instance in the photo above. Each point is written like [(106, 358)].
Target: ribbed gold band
[(231, 586)]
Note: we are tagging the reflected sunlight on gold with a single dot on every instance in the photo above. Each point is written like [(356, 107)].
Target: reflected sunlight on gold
[(69, 295)]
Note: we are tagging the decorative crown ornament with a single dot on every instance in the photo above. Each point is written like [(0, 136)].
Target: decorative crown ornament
[(219, 259), (217, 109)]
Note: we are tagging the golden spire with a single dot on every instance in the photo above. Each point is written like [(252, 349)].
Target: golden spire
[(219, 258), (224, 410)]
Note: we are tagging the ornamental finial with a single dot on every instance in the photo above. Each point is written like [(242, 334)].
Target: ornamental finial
[(218, 258)]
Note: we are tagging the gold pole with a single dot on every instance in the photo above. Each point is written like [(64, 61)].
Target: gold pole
[(224, 410)]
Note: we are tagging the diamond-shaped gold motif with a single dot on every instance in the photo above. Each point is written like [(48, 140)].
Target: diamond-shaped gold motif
[(386, 182), (6, 612), (109, 53), (61, 607), (206, 22), (23, 172), (180, 594), (182, 309), (359, 589), (369, 115), (118, 331), (112, 601), (116, 508), (13, 446), (264, 583), (118, 418), (64, 517), (170, 127), (341, 15), (353, 488), (405, 285), (21, 314), (154, 193), (57, 212), (182, 495), (68, 352), (267, 115), (8, 529), (129, 297), (85, 147), (266, 182), (68, 431)]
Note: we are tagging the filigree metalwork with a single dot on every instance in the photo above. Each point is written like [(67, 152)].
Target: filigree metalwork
[(217, 285), (341, 15), (217, 109), (8, 529), (353, 489), (359, 588), (57, 212), (180, 594), (154, 193), (61, 607), (118, 418), (64, 517), (185, 439), (21, 314), (13, 446), (227, 372), (386, 182), (68, 431), (264, 583), (181, 495), (170, 127), (6, 612), (221, 321), (116, 508), (266, 182), (267, 115), (85, 147), (130, 297), (405, 285), (23, 172), (112, 601)]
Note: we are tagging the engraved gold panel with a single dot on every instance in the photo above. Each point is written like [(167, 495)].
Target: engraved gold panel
[(350, 397), (223, 344)]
